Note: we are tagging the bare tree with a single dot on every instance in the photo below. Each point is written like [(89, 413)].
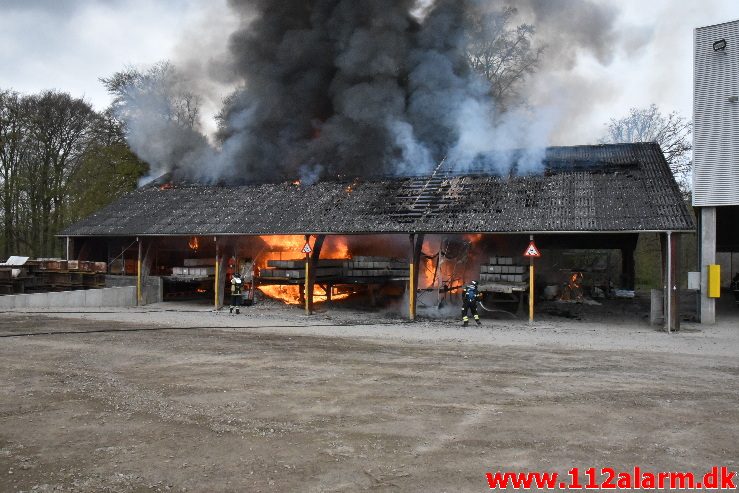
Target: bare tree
[(158, 113), (158, 90), (671, 131), (504, 54)]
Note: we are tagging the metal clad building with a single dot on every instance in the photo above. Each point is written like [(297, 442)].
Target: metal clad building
[(716, 114), (716, 152)]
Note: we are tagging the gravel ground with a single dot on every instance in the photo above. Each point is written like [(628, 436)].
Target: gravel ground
[(181, 398)]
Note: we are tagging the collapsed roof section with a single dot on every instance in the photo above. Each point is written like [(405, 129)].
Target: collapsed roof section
[(607, 188)]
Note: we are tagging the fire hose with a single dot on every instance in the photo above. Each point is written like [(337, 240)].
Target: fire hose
[(496, 310)]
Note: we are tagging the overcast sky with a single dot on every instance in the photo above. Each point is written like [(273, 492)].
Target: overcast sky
[(69, 44)]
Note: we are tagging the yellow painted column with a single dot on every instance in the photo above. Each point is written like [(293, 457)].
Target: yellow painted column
[(412, 291), (139, 296), (531, 291), (531, 285), (307, 284), (216, 288)]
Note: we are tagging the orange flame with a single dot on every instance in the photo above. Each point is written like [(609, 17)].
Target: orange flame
[(194, 243), (573, 290), (428, 268), (350, 188), (289, 247), (289, 295)]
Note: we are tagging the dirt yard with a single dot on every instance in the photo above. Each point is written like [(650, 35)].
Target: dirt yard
[(160, 400)]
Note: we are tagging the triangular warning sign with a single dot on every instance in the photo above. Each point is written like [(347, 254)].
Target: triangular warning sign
[(307, 249), (532, 251)]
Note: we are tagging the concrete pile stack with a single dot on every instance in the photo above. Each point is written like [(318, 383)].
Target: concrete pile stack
[(504, 269), (295, 269), (372, 268), (376, 267), (196, 268)]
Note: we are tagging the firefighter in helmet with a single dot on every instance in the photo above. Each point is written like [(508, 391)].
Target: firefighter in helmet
[(470, 296), (237, 287)]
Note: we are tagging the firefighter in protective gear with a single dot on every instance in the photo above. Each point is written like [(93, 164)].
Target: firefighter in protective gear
[(470, 296), (237, 287)]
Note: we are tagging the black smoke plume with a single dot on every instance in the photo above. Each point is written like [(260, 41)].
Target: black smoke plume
[(337, 88)]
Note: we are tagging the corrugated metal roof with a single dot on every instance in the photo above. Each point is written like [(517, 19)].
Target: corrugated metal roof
[(623, 187)]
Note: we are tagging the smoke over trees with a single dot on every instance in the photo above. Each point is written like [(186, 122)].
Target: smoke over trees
[(158, 113), (502, 53)]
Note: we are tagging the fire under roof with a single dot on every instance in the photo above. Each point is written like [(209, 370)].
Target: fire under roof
[(584, 189)]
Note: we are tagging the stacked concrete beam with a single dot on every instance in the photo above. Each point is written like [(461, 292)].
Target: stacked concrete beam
[(503, 269)]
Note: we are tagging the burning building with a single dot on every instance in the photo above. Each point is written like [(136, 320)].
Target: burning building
[(586, 197)]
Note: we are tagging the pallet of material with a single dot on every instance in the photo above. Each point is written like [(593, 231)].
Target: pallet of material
[(193, 271), (503, 287), (503, 278), (387, 264), (84, 266), (502, 261), (55, 279), (321, 272), (364, 258), (377, 267), (300, 264), (53, 264), (503, 269), (93, 280), (199, 262), (377, 273)]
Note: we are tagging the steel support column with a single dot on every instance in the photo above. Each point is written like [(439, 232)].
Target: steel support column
[(675, 267), (670, 243)]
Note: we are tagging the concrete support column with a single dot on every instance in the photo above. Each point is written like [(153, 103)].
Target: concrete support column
[(708, 257)]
